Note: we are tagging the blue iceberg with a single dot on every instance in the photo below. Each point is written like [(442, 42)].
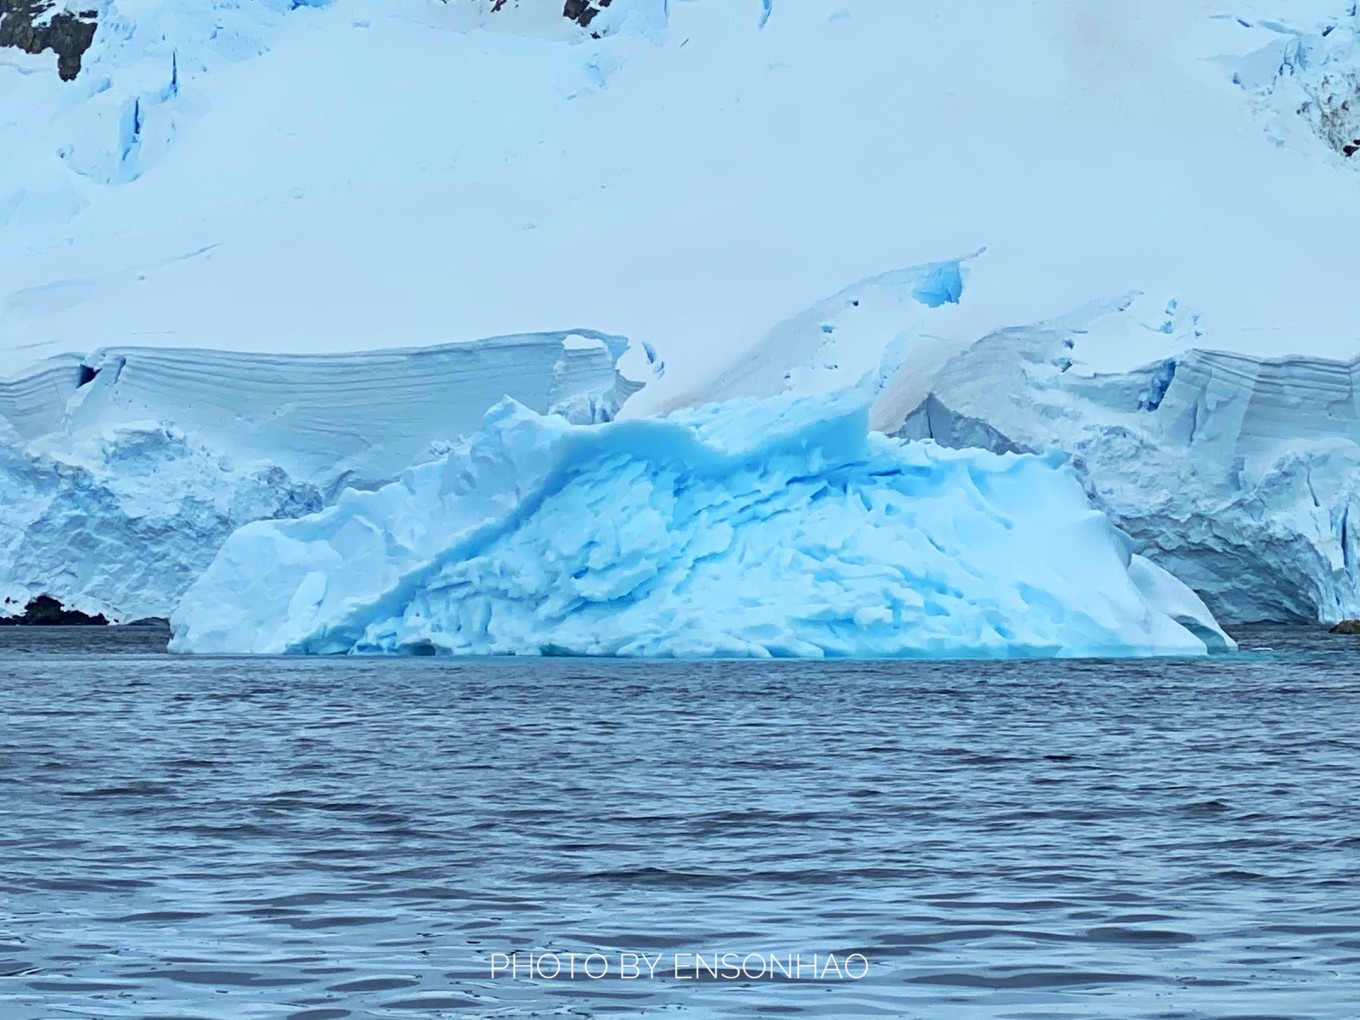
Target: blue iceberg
[(775, 527)]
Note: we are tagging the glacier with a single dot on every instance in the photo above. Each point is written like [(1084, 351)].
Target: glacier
[(688, 177), (774, 527), (123, 471), (193, 338), (1237, 473)]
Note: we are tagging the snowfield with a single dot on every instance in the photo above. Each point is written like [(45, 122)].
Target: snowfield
[(235, 248), (336, 177)]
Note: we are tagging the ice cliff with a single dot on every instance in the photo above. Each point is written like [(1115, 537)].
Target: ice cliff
[(1237, 473), (780, 527), (123, 471)]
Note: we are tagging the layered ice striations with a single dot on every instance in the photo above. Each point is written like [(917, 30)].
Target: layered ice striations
[(781, 527), (357, 418), (124, 471), (1239, 474)]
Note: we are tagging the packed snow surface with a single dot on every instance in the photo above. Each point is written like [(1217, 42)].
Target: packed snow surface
[(334, 176), (755, 528)]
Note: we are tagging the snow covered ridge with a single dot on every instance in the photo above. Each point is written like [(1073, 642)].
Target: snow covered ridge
[(754, 528), (124, 471), (857, 338)]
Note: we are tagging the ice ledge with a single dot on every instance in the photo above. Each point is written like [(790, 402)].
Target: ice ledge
[(327, 419), (123, 471)]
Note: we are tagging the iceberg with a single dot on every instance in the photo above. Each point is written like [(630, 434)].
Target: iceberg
[(760, 527)]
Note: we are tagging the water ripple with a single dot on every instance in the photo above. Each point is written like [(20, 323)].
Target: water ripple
[(324, 839)]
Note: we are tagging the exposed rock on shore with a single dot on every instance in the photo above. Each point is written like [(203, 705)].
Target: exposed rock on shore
[(47, 611)]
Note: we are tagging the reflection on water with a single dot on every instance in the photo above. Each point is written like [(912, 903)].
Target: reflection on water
[(320, 839)]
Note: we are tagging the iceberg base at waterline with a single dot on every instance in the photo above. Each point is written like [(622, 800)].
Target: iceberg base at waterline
[(775, 527)]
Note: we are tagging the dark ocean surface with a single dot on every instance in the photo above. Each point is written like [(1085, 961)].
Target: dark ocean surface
[(318, 839)]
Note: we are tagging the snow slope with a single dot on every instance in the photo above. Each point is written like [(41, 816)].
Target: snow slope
[(123, 472), (777, 527), (433, 170)]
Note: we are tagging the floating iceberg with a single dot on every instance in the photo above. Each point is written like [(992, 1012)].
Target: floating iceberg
[(777, 527)]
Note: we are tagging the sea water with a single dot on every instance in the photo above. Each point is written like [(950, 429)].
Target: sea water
[(318, 839)]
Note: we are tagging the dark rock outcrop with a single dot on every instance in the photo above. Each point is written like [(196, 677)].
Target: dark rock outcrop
[(45, 611), (26, 25), (1346, 627), (583, 11)]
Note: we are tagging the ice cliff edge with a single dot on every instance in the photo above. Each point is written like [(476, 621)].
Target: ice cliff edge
[(123, 471)]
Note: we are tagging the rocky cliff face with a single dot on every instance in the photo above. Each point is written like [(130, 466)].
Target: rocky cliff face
[(37, 25)]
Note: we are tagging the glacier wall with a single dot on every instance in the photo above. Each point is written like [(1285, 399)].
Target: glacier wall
[(756, 528), (331, 419), (1236, 473), (123, 471), (122, 523)]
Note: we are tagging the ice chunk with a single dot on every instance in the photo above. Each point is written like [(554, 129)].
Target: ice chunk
[(777, 527)]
